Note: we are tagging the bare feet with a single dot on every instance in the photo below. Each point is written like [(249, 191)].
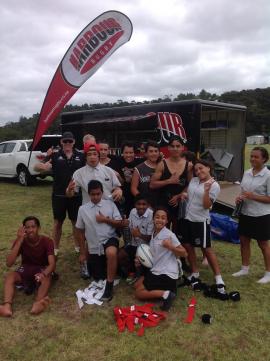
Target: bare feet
[(6, 310), (40, 306)]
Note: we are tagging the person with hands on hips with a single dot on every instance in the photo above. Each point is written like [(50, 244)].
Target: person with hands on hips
[(37, 265), (254, 220)]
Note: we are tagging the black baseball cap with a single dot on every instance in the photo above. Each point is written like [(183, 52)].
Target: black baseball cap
[(68, 135)]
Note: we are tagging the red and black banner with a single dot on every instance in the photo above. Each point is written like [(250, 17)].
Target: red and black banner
[(92, 47)]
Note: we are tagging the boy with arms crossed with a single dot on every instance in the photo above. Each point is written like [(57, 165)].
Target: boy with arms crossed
[(96, 223)]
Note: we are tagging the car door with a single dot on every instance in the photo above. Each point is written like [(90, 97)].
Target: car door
[(2, 149), (7, 159)]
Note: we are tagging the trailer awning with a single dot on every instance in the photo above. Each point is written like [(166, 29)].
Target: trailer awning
[(126, 119)]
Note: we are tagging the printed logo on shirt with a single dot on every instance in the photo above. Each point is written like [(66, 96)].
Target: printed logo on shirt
[(127, 173), (197, 241), (145, 179)]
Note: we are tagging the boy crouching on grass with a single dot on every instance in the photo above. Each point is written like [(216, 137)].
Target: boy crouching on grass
[(96, 222), (37, 264), (140, 224), (160, 281)]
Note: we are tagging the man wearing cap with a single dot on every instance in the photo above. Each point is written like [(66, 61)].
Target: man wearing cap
[(63, 164), (94, 170)]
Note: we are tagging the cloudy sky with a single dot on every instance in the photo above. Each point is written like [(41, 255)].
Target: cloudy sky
[(177, 46)]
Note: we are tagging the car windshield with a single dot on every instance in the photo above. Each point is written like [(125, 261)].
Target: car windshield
[(46, 142)]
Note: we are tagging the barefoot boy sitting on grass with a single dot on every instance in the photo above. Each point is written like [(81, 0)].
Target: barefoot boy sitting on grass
[(37, 264)]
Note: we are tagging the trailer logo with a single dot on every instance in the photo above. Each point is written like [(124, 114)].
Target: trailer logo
[(171, 124)]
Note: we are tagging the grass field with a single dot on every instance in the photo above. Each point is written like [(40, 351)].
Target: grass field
[(239, 332)]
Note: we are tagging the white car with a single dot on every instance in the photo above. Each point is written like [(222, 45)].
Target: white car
[(14, 158)]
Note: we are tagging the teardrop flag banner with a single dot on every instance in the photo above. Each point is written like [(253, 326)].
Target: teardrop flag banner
[(92, 47)]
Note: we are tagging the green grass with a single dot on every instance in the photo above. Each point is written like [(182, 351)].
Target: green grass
[(239, 332)]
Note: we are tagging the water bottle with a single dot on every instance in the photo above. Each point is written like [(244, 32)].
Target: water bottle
[(237, 209), (127, 237), (84, 271), (182, 207)]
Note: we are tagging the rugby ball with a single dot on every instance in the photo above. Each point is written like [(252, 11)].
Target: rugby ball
[(144, 255)]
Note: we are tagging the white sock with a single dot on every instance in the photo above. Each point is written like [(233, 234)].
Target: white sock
[(165, 295), (243, 272), (194, 274), (219, 280)]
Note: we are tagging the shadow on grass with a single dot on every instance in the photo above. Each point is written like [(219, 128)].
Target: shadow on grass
[(47, 182)]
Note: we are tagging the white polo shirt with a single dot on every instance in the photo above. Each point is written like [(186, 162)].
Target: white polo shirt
[(164, 261), (259, 184), (144, 223), (97, 234), (195, 212), (101, 173)]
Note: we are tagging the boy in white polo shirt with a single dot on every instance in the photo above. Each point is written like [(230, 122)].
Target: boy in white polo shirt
[(141, 225), (96, 223), (94, 170)]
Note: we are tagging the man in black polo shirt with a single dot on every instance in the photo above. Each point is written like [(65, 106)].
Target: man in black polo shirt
[(63, 164)]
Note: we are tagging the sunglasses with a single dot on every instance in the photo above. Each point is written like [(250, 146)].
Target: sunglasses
[(66, 141)]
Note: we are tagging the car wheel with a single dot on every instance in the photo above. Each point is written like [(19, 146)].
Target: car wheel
[(24, 177)]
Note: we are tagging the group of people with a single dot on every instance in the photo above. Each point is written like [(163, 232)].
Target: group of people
[(164, 202)]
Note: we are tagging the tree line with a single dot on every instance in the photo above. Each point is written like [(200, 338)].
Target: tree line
[(257, 102)]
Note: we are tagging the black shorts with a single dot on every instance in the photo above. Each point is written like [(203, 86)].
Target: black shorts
[(111, 242), (159, 282), (63, 205), (255, 227), (97, 265), (197, 234)]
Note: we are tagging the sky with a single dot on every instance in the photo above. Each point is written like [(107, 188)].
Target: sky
[(177, 46)]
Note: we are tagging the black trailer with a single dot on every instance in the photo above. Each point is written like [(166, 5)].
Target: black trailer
[(212, 129)]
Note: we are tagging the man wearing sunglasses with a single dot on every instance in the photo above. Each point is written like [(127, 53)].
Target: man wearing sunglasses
[(63, 164)]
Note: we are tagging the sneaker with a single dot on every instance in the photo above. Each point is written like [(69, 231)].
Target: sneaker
[(167, 303), (196, 284), (265, 279), (84, 271), (242, 272), (221, 293), (106, 297), (221, 288), (108, 293)]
